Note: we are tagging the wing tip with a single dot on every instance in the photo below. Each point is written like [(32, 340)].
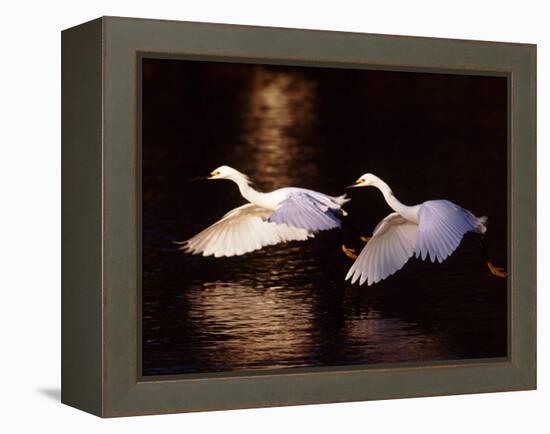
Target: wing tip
[(184, 245)]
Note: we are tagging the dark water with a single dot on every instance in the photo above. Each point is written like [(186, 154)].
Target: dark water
[(429, 136)]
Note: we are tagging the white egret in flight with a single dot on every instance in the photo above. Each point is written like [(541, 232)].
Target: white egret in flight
[(282, 215), (432, 229)]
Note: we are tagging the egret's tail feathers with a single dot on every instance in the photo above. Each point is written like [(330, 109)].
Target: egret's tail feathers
[(341, 200), (482, 222)]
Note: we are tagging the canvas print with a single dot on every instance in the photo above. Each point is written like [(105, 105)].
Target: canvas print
[(305, 217)]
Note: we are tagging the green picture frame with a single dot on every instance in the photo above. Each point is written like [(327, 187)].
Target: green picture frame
[(101, 216)]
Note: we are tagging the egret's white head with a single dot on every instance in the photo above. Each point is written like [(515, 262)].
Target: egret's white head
[(367, 180), (226, 172)]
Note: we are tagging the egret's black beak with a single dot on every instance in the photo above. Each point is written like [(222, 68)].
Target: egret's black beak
[(197, 178)]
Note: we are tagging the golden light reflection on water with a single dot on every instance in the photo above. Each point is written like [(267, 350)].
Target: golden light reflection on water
[(263, 327), (281, 110), (253, 327)]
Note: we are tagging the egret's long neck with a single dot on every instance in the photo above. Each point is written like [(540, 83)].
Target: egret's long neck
[(247, 191), (409, 212)]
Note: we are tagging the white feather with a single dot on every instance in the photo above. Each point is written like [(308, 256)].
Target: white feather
[(242, 230), (389, 249), (442, 225)]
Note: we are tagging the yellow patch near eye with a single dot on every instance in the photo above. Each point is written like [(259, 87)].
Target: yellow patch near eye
[(215, 173), (359, 181)]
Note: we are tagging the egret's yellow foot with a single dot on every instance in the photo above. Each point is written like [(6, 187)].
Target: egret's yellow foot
[(350, 253), (497, 271), (365, 239)]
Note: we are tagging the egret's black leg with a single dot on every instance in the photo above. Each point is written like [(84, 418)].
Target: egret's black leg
[(497, 271)]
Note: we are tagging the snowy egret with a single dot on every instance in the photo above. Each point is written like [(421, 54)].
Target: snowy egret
[(432, 229), (286, 214)]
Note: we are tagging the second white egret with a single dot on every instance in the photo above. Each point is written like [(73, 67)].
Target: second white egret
[(432, 229)]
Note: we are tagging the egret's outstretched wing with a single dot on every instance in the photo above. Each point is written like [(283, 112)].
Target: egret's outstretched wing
[(240, 231), (442, 224), (391, 246), (303, 210)]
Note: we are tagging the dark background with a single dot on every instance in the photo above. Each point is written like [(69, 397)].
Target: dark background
[(429, 136)]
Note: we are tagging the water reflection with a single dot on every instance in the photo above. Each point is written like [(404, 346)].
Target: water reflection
[(385, 339), (246, 327), (278, 118), (254, 326)]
